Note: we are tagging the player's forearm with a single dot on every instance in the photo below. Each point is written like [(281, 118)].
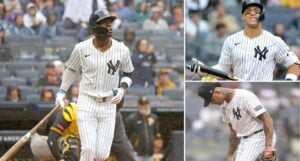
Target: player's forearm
[(293, 71), (68, 78), (269, 131), (233, 143)]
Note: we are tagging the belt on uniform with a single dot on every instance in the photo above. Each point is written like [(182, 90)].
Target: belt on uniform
[(245, 137), (100, 99)]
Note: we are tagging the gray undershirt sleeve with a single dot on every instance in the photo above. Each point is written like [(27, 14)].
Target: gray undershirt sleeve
[(68, 78)]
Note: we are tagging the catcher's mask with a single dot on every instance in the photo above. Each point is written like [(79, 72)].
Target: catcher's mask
[(206, 91), (94, 20), (71, 148), (247, 3)]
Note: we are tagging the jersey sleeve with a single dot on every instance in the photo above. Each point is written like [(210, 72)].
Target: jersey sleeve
[(225, 58), (74, 60), (126, 64), (283, 54), (252, 104)]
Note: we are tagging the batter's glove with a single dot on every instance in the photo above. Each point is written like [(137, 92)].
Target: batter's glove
[(71, 148), (267, 156), (60, 98), (118, 95)]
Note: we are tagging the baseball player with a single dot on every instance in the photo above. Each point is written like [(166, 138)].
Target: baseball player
[(64, 127), (100, 58), (251, 127), (251, 54)]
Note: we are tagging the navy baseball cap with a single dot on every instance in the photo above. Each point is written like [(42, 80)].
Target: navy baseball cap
[(206, 91)]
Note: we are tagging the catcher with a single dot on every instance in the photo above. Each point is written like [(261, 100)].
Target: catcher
[(251, 127), (63, 144)]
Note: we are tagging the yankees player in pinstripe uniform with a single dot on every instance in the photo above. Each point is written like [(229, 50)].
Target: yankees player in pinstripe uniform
[(251, 54), (251, 127), (100, 59)]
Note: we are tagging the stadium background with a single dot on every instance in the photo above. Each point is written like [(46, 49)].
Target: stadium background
[(28, 57), (209, 22), (207, 138)]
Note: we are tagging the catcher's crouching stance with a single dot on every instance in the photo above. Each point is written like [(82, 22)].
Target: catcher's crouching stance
[(63, 142)]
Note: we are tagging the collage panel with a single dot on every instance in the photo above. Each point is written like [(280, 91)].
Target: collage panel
[(92, 80), (239, 120), (245, 40)]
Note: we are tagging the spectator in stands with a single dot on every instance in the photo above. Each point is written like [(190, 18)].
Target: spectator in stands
[(161, 6), (163, 82), (143, 61), (129, 38), (176, 22), (47, 96), (59, 67), (5, 52), (12, 8), (74, 91), (53, 5), (50, 77), (279, 30), (220, 15), (194, 24), (141, 12), (34, 18), (2, 11), (18, 29), (52, 28), (155, 22), (143, 131), (14, 94), (295, 23), (214, 42), (124, 10)]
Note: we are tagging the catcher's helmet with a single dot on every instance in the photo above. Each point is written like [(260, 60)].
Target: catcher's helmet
[(206, 91), (95, 18), (247, 3), (71, 148)]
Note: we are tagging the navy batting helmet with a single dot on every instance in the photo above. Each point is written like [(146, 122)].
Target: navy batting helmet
[(95, 18), (247, 3)]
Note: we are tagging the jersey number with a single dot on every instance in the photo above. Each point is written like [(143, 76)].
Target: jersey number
[(112, 68)]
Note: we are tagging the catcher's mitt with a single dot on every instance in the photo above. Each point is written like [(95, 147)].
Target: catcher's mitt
[(267, 156), (71, 148)]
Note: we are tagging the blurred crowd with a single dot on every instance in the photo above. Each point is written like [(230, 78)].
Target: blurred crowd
[(47, 27), (210, 22), (281, 101)]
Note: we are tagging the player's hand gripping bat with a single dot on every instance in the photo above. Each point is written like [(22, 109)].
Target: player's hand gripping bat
[(200, 68)]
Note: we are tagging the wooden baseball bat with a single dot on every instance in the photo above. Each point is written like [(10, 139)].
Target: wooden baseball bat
[(21, 142), (214, 72)]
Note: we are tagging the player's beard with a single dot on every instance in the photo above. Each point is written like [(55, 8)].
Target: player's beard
[(145, 112)]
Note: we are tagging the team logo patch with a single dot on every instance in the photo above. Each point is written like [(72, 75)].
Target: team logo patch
[(261, 54), (237, 113), (112, 68), (257, 108)]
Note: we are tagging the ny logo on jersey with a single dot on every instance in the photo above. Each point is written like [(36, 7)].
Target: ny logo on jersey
[(112, 68), (262, 54), (237, 113)]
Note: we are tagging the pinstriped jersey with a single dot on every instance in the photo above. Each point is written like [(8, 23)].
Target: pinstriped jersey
[(255, 59), (100, 70), (242, 112)]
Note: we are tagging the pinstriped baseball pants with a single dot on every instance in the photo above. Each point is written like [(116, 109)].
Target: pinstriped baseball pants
[(96, 124), (250, 148)]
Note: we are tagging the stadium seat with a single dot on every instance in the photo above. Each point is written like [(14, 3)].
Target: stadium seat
[(139, 91), (7, 81), (3, 90), (174, 94), (33, 98), (14, 66), (33, 81), (4, 73), (27, 74), (27, 90)]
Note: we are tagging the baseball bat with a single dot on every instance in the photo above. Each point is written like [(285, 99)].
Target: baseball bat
[(214, 72), (21, 142)]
